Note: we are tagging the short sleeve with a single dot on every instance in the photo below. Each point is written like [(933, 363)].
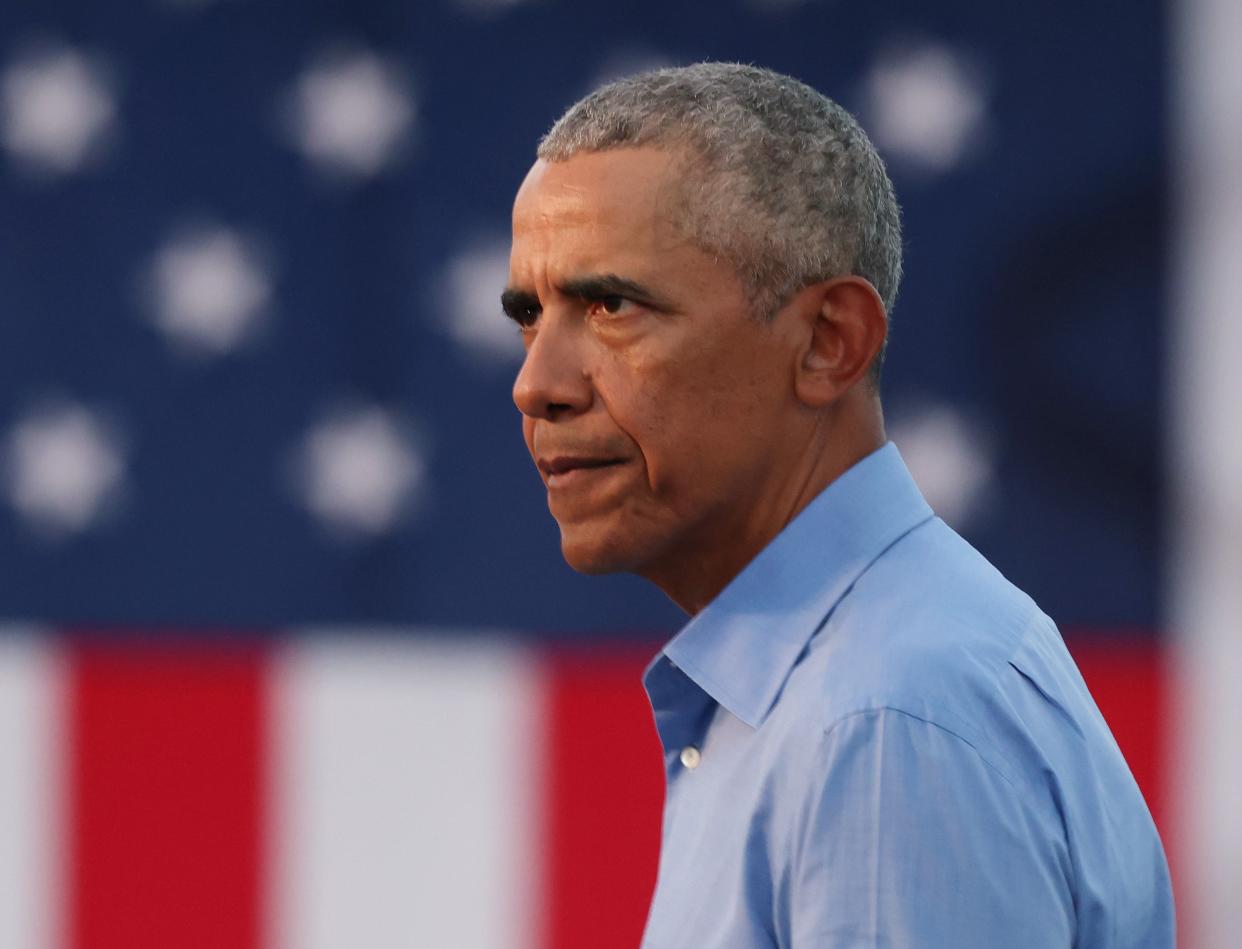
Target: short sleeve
[(910, 839)]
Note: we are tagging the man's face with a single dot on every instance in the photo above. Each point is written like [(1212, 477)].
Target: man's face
[(654, 404)]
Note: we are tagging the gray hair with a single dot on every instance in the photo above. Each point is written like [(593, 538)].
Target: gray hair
[(787, 187)]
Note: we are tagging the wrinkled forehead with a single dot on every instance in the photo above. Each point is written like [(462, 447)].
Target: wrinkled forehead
[(622, 198)]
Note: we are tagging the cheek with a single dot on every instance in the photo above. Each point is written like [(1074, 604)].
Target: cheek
[(705, 426), (636, 407), (668, 423), (695, 412)]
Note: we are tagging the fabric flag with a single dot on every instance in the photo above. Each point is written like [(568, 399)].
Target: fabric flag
[(289, 657)]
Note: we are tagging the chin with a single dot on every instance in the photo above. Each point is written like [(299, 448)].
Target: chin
[(598, 555)]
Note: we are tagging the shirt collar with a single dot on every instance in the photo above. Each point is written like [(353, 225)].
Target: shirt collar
[(742, 646)]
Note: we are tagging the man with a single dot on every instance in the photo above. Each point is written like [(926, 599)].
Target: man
[(871, 738)]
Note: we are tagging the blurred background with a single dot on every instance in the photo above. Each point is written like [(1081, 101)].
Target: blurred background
[(288, 655)]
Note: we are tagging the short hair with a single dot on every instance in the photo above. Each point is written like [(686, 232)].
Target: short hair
[(787, 187)]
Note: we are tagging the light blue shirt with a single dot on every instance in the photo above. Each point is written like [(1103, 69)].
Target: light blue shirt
[(872, 739)]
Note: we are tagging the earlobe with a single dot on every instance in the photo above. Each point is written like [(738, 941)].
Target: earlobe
[(844, 326)]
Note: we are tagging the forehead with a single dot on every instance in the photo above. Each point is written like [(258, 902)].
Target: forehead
[(618, 199)]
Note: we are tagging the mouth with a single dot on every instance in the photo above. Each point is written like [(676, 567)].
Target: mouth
[(562, 471)]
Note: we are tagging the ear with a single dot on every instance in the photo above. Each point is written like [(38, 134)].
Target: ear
[(843, 326)]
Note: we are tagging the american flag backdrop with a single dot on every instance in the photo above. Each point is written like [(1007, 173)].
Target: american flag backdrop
[(288, 655)]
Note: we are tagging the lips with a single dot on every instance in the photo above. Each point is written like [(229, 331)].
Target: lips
[(565, 470)]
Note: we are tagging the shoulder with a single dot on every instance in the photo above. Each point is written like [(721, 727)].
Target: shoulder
[(939, 701), (930, 617), (933, 632)]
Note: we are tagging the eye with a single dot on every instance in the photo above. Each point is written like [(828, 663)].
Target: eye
[(525, 316), (611, 305)]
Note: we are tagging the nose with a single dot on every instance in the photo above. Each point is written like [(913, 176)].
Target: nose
[(553, 381)]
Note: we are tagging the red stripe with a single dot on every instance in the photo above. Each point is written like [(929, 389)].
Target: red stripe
[(1126, 676), (1131, 679), (165, 797), (605, 792)]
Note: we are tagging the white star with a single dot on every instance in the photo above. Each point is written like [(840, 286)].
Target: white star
[(350, 113), (471, 302), (359, 470), (57, 109), (207, 289), (64, 467), (925, 106), (950, 458)]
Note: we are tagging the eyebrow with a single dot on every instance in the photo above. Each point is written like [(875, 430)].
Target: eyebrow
[(519, 305), (595, 286)]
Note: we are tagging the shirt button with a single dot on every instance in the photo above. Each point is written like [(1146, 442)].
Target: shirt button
[(690, 757)]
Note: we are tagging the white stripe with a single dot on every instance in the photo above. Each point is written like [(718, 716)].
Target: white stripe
[(404, 811), (1206, 465), (30, 803)]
